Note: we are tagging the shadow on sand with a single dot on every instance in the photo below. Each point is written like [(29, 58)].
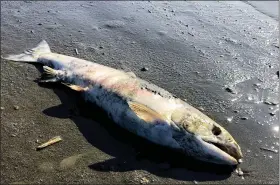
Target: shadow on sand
[(130, 151)]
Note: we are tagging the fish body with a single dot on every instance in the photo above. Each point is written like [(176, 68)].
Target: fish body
[(139, 106)]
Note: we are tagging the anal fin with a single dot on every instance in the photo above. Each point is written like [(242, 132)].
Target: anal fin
[(75, 87)]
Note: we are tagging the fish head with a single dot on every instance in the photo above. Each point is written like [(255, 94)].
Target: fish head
[(202, 138)]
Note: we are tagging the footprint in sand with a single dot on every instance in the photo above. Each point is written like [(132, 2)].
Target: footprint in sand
[(69, 161)]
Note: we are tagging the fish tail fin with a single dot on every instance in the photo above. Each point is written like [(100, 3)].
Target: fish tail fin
[(30, 55)]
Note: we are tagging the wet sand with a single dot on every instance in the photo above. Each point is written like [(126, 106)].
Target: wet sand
[(193, 49)]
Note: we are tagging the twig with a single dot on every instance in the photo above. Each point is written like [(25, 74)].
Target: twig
[(76, 50), (270, 150), (50, 142)]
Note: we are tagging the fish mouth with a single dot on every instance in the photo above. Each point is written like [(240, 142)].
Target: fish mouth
[(228, 154)]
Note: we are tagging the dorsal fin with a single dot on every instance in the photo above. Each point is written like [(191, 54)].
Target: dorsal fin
[(145, 113)]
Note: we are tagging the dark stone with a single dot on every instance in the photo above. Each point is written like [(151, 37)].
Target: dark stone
[(144, 69)]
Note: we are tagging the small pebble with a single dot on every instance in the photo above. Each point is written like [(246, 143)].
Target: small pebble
[(239, 172), (16, 107), (195, 182), (100, 47), (235, 111), (275, 45), (32, 31), (190, 34), (272, 114), (230, 90), (2, 108), (39, 24), (144, 69), (229, 119), (149, 11), (257, 84), (277, 73), (243, 118)]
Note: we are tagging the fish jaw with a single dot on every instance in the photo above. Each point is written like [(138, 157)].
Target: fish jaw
[(195, 146), (222, 145), (217, 155), (203, 138)]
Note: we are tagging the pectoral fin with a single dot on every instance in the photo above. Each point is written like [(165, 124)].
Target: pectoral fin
[(145, 113), (75, 87)]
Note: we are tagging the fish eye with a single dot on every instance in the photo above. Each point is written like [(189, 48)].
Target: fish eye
[(216, 130)]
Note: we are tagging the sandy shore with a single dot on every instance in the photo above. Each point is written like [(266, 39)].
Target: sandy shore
[(193, 49)]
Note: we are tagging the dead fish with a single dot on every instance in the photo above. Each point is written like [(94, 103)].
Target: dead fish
[(158, 117)]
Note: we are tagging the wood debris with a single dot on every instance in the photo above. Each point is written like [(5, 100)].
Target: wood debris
[(52, 141)]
